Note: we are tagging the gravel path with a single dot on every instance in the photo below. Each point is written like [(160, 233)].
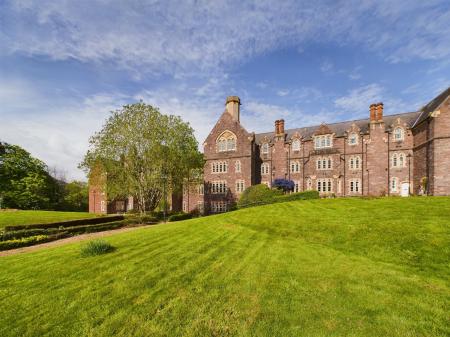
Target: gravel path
[(70, 240)]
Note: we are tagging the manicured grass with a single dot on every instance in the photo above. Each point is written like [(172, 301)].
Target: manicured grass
[(345, 267), (14, 218)]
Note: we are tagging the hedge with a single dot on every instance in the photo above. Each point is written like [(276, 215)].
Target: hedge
[(69, 223), (30, 241), (179, 217), (16, 235), (267, 199)]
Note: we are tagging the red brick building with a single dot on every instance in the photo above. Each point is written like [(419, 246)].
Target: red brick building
[(401, 154)]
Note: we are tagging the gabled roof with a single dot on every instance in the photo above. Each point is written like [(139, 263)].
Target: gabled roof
[(340, 128), (432, 105)]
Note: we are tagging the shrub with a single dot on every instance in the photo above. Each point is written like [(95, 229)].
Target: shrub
[(306, 195), (96, 247), (180, 216), (258, 195), (30, 241), (280, 198), (284, 184), (70, 223)]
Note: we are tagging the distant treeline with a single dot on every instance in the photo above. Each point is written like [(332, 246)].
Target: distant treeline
[(27, 183)]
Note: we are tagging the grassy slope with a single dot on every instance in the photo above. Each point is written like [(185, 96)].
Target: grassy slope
[(313, 268), (15, 218)]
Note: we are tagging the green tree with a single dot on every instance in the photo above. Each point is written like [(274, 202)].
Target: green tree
[(141, 152), (76, 197), (24, 181)]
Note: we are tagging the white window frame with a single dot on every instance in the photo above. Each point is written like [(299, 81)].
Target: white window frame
[(240, 185), (218, 206), (265, 148), (323, 141), (219, 187), (219, 167), (296, 186), (399, 134), (265, 169), (324, 182), (393, 185), (201, 189), (354, 186), (296, 145), (237, 166), (226, 142), (353, 136), (295, 167), (354, 163), (324, 163), (309, 184), (398, 160)]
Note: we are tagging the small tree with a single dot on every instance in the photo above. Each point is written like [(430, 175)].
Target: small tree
[(142, 152)]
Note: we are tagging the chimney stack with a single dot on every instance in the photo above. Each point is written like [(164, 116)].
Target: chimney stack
[(379, 112), (277, 127), (373, 108), (232, 106), (281, 127)]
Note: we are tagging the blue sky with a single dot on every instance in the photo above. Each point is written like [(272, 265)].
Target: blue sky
[(65, 64)]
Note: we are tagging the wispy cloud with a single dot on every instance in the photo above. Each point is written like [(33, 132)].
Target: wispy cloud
[(174, 37)]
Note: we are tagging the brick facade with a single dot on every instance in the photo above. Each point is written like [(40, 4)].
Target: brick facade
[(381, 155), (402, 154)]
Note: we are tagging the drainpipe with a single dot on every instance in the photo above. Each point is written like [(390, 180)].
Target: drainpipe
[(345, 166), (389, 166), (368, 177), (362, 166), (303, 165)]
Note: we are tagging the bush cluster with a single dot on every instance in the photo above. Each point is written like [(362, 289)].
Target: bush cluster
[(69, 223), (263, 195), (29, 237), (180, 216), (30, 241), (258, 195), (96, 247)]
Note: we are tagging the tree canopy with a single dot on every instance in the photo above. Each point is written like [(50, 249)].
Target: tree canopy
[(139, 152), (24, 180)]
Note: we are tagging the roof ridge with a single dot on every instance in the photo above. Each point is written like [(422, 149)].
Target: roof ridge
[(341, 122)]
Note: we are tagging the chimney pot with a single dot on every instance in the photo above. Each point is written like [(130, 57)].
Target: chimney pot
[(379, 113), (232, 105), (281, 126), (277, 127), (373, 108)]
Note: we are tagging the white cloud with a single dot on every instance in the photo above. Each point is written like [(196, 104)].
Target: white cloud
[(358, 100), (178, 37), (56, 134), (283, 92), (326, 66)]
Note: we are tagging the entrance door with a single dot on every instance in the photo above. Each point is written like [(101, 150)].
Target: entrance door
[(405, 190)]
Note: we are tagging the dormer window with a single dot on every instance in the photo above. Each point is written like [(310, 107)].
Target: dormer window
[(296, 145), (265, 148), (323, 142), (226, 142), (353, 139), (398, 134)]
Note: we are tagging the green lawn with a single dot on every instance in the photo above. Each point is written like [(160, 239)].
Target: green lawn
[(343, 267), (14, 218)]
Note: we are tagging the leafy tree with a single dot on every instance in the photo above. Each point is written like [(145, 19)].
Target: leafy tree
[(76, 197), (24, 180), (140, 151)]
